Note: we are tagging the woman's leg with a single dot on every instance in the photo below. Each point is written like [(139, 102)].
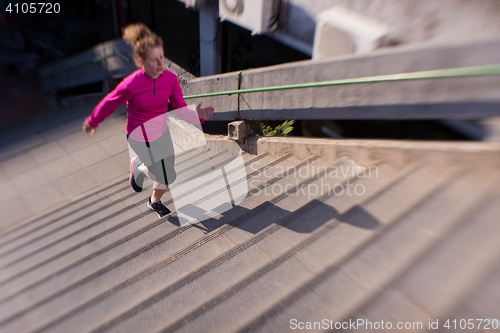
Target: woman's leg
[(158, 161), (154, 201), (159, 188), (158, 193)]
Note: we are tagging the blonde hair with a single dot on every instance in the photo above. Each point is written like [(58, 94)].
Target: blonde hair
[(143, 39)]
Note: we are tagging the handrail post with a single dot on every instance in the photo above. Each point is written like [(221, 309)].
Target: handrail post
[(239, 87)]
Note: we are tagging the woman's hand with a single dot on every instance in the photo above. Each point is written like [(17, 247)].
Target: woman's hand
[(204, 113), (87, 128)]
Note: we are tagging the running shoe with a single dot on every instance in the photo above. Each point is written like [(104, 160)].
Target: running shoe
[(158, 207), (136, 176)]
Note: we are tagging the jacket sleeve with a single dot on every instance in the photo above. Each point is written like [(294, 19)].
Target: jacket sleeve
[(109, 104), (180, 108)]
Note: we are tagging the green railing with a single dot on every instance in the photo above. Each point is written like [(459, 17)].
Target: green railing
[(432, 74)]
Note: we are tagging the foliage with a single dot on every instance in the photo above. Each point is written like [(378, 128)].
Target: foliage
[(281, 130)]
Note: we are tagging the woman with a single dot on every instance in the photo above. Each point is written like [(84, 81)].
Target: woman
[(147, 92)]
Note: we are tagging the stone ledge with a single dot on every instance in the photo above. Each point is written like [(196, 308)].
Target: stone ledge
[(365, 152)]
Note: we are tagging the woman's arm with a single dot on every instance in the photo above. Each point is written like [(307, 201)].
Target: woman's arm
[(204, 113), (182, 111), (106, 107)]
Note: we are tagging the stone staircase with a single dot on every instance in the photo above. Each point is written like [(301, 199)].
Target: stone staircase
[(315, 240)]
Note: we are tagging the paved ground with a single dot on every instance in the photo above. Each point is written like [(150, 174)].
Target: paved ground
[(58, 163)]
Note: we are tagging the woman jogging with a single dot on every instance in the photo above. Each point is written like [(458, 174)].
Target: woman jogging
[(147, 92)]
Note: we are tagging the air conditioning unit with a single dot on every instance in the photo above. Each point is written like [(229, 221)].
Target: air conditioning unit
[(258, 16), (341, 31)]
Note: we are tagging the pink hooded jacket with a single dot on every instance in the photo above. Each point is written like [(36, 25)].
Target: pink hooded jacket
[(147, 104)]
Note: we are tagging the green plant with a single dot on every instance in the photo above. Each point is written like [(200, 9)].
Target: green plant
[(281, 130)]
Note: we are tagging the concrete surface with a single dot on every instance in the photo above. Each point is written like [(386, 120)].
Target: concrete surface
[(408, 233)]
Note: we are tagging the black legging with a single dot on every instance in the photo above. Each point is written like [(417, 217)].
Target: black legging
[(158, 156)]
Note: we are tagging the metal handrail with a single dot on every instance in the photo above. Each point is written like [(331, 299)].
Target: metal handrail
[(493, 69)]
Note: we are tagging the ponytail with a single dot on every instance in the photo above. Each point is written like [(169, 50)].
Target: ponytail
[(142, 39)]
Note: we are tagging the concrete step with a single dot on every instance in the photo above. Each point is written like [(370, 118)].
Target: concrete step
[(258, 289), (288, 250), (436, 283), (127, 248), (173, 272), (44, 228), (183, 243), (481, 298), (36, 241), (340, 287), (67, 209), (78, 207), (102, 227), (40, 233)]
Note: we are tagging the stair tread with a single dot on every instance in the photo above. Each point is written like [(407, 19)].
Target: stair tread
[(255, 294), (372, 268), (127, 292), (119, 235), (170, 260)]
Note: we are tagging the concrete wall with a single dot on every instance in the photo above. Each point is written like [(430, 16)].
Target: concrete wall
[(450, 98), (75, 71), (369, 152)]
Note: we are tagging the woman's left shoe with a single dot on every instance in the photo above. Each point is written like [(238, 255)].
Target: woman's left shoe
[(158, 207), (136, 176)]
